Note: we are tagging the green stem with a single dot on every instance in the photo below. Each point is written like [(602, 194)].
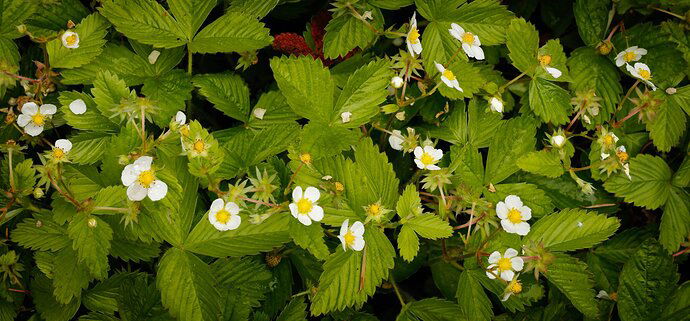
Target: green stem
[(511, 82), (189, 61), (397, 292)]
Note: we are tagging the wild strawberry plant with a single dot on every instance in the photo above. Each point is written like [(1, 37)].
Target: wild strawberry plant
[(351, 160)]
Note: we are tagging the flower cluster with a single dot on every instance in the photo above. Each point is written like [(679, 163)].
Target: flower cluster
[(613, 156), (638, 70)]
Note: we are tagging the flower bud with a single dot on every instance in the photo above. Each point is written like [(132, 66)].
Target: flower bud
[(604, 47), (557, 140), (38, 193), (92, 222), (397, 82)]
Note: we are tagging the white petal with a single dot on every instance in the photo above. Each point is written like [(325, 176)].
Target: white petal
[(143, 163), (522, 228), (345, 227), (63, 144), (507, 226), (494, 257), (358, 244), (395, 141), (417, 47), (217, 205), (157, 190), (342, 242), (304, 219), (468, 50), (316, 213), (555, 73), (259, 113), (491, 275), (478, 52), (418, 151), (429, 150), (23, 119), (129, 175), (502, 210), (48, 109), (619, 59), (506, 296), (510, 253), (212, 218), (419, 163), (432, 167), (136, 192), (517, 263), (232, 208), (312, 194), (29, 108), (180, 118), (526, 213), (447, 81), (77, 106), (507, 275), (297, 193), (234, 223), (439, 67), (357, 228), (631, 70), (293, 209), (32, 129), (437, 154), (513, 201)]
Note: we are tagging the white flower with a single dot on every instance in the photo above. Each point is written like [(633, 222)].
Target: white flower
[(642, 72), (557, 140), (448, 77), (140, 180), (62, 147), (259, 113), (514, 215), (514, 287), (428, 157), (77, 106), (470, 42), (629, 55), (504, 265), (70, 39), (153, 56), (345, 116), (397, 82), (396, 140), (352, 236), (414, 45), (180, 118), (34, 118), (303, 206), (496, 104), (545, 62), (224, 216)]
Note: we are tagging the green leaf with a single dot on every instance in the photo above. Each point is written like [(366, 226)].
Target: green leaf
[(432, 309), (306, 85), (533, 197), (473, 124), (70, 276), (650, 185), (430, 226), (247, 277), (50, 18), (571, 277), (472, 299), (364, 92), (12, 14), (91, 31), (145, 21), (121, 61), (591, 17), (187, 286), (46, 305), (248, 239), (469, 77), (379, 182), (439, 46), (88, 147), (278, 112), (320, 140), (678, 305), (391, 4), (309, 238), (623, 245), (232, 32), (190, 14), (549, 101), (438, 9), (408, 243), (294, 311), (675, 222), (92, 243), (572, 229), (228, 93), (41, 233), (259, 9), (108, 92), (544, 162), (667, 128), (339, 284), (513, 138), (646, 282), (91, 120), (589, 70), (409, 204), (487, 19), (345, 33), (522, 40), (168, 93)]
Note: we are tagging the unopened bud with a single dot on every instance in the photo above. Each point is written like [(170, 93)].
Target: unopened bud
[(92, 222), (38, 192), (604, 48), (21, 28)]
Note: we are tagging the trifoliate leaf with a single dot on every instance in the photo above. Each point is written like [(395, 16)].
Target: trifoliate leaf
[(408, 243), (409, 204), (544, 162), (309, 238), (572, 229), (190, 14), (121, 61), (50, 18), (572, 278), (512, 139), (306, 85), (667, 128), (145, 21), (228, 93), (650, 185), (232, 32), (346, 32), (91, 238), (109, 92), (472, 299), (87, 147), (258, 9), (294, 311), (439, 46), (522, 40), (438, 9), (549, 101), (320, 140), (675, 222), (277, 111), (432, 309), (91, 32)]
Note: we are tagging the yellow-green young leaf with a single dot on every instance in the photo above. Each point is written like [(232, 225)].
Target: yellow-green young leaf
[(188, 288), (294, 311), (145, 21), (646, 281), (24, 176), (228, 93), (91, 120), (109, 91), (46, 304), (572, 278), (675, 222), (533, 197), (572, 229), (309, 238), (41, 233), (650, 183), (364, 91), (248, 239), (168, 93), (70, 276), (306, 85), (591, 17), (667, 128), (549, 101), (439, 46), (88, 147), (544, 162), (589, 70), (512, 139), (487, 19), (472, 299), (408, 243), (409, 204), (12, 14), (339, 284), (91, 238), (233, 32), (190, 14), (91, 32), (430, 226), (469, 77), (346, 32), (522, 40)]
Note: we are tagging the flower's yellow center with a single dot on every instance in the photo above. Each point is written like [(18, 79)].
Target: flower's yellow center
[(515, 287), (514, 216), (413, 36), (644, 74), (199, 146), (71, 39), (374, 209), (349, 238), (146, 178), (223, 216), (504, 264), (545, 60), (608, 140), (58, 153), (184, 130), (449, 74), (305, 158), (304, 206), (623, 156), (629, 56), (427, 159), (339, 186), (38, 119), (468, 37)]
